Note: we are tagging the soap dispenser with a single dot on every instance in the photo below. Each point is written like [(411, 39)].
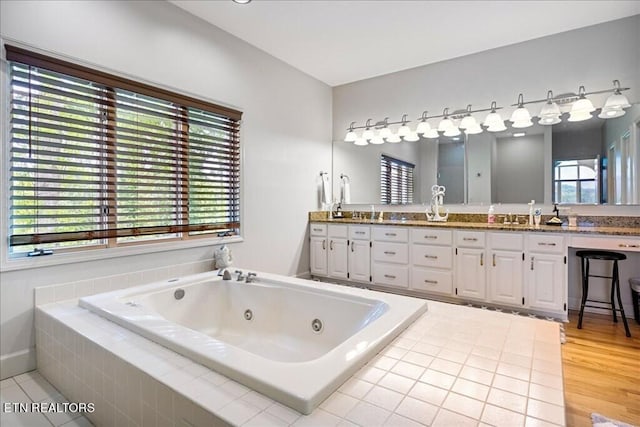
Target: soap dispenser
[(533, 202), (491, 217)]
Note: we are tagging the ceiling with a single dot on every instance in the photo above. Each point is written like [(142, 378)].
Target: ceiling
[(339, 42)]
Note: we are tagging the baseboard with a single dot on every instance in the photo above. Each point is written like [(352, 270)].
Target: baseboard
[(574, 304), (305, 275), (17, 363)]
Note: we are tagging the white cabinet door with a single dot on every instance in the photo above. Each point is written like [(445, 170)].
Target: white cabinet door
[(338, 265), (360, 260), (318, 256), (506, 277), (545, 282), (470, 270)]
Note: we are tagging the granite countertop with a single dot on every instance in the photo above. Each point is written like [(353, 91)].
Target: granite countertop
[(623, 230)]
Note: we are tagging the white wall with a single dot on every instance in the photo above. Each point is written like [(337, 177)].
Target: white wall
[(285, 134), (591, 56)]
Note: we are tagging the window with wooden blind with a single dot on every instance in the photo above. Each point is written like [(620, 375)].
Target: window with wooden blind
[(99, 160), (396, 181)]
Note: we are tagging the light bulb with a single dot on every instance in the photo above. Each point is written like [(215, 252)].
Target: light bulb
[(467, 122), (361, 142), (350, 136), (367, 134), (404, 130), (385, 132), (432, 133), (521, 118), (579, 116), (550, 112), (445, 124), (412, 137), (394, 138), (452, 131), (377, 140), (614, 106), (494, 122), (473, 130), (423, 127)]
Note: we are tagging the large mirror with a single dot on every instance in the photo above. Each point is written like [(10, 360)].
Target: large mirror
[(595, 161)]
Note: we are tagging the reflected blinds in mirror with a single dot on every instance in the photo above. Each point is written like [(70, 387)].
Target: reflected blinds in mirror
[(396, 181)]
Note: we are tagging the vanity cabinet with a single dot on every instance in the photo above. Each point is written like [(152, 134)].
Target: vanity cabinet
[(390, 256), (506, 271), (432, 261), (318, 249), (359, 257), (546, 272), (337, 259), (470, 269)]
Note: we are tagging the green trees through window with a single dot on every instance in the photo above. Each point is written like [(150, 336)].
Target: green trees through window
[(99, 165)]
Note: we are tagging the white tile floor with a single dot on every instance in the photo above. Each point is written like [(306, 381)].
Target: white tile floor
[(32, 387)]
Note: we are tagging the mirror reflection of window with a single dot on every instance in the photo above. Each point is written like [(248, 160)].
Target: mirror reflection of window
[(396, 181), (576, 181)]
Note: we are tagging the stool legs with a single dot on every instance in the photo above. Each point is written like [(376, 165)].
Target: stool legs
[(584, 266), (616, 285)]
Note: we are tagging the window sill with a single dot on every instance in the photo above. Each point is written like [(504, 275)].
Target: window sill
[(101, 254)]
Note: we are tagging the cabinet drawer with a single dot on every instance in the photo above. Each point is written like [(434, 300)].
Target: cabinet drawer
[(390, 234), (470, 239), (391, 275), (432, 280), (506, 241), (318, 229), (432, 256), (359, 232), (545, 243), (340, 231), (391, 252), (431, 237)]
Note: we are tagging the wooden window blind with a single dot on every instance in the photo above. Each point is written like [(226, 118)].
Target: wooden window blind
[(95, 161), (396, 181)]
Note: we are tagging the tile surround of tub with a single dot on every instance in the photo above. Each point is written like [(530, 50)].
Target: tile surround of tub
[(454, 364), (83, 288)]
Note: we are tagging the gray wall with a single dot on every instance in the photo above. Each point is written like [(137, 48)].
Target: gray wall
[(518, 172), (285, 134)]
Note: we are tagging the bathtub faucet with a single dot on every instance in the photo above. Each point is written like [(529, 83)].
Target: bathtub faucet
[(249, 277), (240, 275)]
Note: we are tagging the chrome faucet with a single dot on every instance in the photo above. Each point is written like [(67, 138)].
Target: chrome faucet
[(241, 277), (249, 277)]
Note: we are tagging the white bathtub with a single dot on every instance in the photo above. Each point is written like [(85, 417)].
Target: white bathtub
[(262, 334)]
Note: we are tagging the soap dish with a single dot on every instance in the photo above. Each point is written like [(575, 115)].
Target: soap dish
[(553, 223)]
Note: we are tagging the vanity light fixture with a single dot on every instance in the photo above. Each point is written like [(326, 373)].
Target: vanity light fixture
[(550, 112), (404, 130), (615, 104), (424, 126), (432, 133), (473, 130), (446, 123), (494, 121), (242, 1), (368, 132), (468, 121), (412, 137), (351, 135), (376, 140), (385, 132), (361, 141), (521, 117), (582, 108), (394, 138)]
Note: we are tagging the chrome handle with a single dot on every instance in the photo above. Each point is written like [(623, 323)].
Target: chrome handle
[(470, 239), (546, 244), (351, 246), (389, 276), (531, 263), (390, 234), (389, 253), (331, 244), (430, 237), (324, 245), (628, 245), (431, 256), (434, 282), (481, 259), (317, 229), (494, 260), (359, 232)]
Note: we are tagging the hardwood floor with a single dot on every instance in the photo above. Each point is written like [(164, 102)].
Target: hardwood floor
[(601, 368)]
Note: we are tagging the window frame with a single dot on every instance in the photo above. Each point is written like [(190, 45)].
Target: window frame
[(557, 183), (97, 252)]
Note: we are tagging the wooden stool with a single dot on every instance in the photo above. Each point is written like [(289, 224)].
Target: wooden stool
[(585, 257), (634, 283)]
